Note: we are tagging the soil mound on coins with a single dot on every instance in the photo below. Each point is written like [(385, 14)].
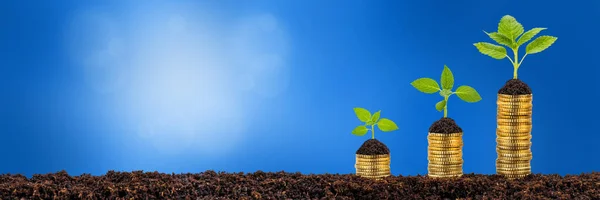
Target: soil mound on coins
[(445, 125), (286, 185), (373, 147), (515, 87)]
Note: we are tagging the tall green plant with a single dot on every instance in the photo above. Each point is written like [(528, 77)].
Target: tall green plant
[(430, 86), (384, 124), (510, 34)]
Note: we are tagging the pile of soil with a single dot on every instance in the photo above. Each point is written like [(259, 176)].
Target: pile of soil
[(373, 147), (515, 87), (445, 125), (282, 185)]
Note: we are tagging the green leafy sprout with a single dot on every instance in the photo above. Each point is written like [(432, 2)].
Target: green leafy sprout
[(509, 30), (430, 86), (384, 124)]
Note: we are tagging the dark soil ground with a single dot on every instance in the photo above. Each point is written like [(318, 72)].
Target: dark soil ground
[(515, 87), (281, 185), (373, 147), (445, 125)]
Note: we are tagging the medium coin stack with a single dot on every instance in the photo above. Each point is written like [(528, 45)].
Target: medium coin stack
[(514, 135), (373, 166), (445, 155)]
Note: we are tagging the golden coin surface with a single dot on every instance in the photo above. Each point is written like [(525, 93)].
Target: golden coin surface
[(525, 152), (373, 161), (449, 159), (514, 172), (513, 133), (371, 167), (514, 145), (444, 169), (513, 165), (510, 142), (373, 173), (509, 159), (444, 176), (447, 152), (513, 137), (445, 165), (445, 134), (373, 156), (444, 137), (506, 161), (508, 127)]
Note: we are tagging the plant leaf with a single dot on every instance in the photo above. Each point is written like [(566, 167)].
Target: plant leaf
[(360, 130), (447, 79), (528, 35), (502, 39), (539, 44), (363, 114), (386, 125), (376, 116), (426, 85), (439, 106), (468, 94), (494, 51), (510, 27)]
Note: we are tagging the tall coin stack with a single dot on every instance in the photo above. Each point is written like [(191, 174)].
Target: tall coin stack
[(373, 166), (514, 135), (445, 155)]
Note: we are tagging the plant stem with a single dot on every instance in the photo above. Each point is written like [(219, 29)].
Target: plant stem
[(372, 131), (515, 63), (446, 106)]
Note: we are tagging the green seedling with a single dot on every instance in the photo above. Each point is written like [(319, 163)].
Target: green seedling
[(384, 124), (510, 34), (430, 86)]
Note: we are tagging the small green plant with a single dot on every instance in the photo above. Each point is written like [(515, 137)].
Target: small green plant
[(385, 125), (509, 30), (430, 86)]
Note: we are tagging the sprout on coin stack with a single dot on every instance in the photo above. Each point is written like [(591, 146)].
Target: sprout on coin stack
[(373, 157), (445, 136), (513, 132)]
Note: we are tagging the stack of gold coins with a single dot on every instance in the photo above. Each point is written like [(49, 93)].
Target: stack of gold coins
[(373, 166), (514, 135), (445, 155)]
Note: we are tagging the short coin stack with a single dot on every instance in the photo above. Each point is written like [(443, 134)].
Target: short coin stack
[(373, 166), (514, 135), (445, 155)]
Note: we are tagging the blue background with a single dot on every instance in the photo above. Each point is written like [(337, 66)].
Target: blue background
[(340, 55)]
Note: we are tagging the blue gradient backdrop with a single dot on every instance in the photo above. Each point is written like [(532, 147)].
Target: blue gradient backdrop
[(338, 55)]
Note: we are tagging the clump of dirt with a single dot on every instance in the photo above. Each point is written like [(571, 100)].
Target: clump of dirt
[(282, 185), (515, 87), (445, 125), (373, 147)]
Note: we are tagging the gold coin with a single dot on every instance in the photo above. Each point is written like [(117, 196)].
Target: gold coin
[(445, 165), (507, 127), (444, 142), (455, 173), (513, 165), (517, 152), (437, 163), (372, 172), (514, 145), (514, 98), (515, 155), (374, 177), (513, 133), (444, 169), (372, 161), (514, 170), (368, 173), (507, 161), (430, 157), (512, 141), (517, 120), (525, 172), (372, 167), (444, 176), (373, 156), (512, 148), (455, 153), (445, 151), (444, 137), (449, 160), (445, 134), (514, 176), (514, 137)]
